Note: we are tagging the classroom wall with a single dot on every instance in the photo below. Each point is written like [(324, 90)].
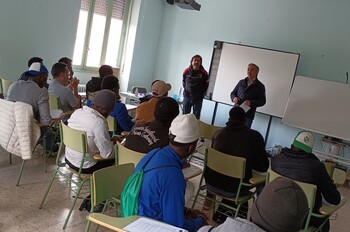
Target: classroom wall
[(44, 28), (317, 29)]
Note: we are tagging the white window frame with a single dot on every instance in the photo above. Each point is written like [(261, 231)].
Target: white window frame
[(122, 42)]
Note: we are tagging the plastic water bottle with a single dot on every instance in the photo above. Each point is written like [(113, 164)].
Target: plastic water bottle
[(175, 96)]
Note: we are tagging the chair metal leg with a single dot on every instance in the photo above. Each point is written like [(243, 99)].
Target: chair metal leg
[(20, 172), (10, 155), (87, 228), (48, 189), (74, 202)]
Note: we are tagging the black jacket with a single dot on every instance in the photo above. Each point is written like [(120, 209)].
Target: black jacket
[(306, 167), (238, 140), (255, 93), (195, 83)]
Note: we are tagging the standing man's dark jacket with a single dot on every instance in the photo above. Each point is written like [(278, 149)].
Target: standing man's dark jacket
[(238, 140), (306, 167), (195, 83), (254, 92)]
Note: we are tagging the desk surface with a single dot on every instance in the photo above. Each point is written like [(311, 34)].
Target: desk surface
[(191, 172)]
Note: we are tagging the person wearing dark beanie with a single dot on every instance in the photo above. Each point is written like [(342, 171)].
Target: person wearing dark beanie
[(235, 139), (281, 207), (92, 120), (145, 137)]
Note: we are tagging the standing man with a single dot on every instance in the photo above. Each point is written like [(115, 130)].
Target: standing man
[(300, 164), (195, 82), (69, 100), (250, 92)]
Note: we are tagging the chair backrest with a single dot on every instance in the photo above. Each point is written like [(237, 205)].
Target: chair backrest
[(5, 84), (228, 165), (54, 101), (125, 155), (112, 124), (339, 177), (74, 139), (206, 131), (329, 167), (109, 182), (309, 190)]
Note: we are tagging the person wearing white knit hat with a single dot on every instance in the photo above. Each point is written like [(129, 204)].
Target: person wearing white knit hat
[(162, 195), (299, 163)]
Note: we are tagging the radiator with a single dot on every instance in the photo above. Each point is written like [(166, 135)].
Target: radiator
[(81, 88)]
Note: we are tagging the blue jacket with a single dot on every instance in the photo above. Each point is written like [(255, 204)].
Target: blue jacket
[(255, 93), (162, 195), (120, 113)]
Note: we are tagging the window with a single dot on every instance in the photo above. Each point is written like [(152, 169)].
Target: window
[(101, 33)]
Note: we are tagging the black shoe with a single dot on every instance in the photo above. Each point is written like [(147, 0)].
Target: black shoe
[(54, 147), (218, 217), (86, 204), (98, 208)]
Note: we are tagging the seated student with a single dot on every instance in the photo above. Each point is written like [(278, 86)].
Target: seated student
[(144, 112), (94, 85), (93, 122), (298, 163), (33, 92), (162, 195), (120, 113), (236, 139), (281, 206), (148, 136), (68, 100), (25, 77)]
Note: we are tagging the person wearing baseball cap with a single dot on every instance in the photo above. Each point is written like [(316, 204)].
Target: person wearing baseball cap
[(144, 112), (299, 163), (281, 206), (162, 195), (32, 92)]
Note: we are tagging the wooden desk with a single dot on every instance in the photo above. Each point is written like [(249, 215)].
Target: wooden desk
[(257, 178), (191, 172), (123, 224)]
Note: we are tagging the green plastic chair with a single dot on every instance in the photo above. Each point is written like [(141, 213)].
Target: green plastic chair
[(112, 223), (107, 184), (310, 191), (5, 84), (206, 131), (76, 140), (231, 166), (329, 167), (125, 155), (54, 101)]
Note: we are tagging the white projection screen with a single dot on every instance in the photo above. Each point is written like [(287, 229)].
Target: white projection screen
[(319, 106), (277, 71)]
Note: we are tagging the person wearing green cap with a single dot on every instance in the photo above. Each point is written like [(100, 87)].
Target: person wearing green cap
[(299, 163)]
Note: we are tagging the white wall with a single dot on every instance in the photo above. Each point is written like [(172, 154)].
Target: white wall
[(317, 29), (44, 28)]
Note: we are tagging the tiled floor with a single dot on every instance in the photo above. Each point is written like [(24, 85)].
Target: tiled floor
[(19, 205)]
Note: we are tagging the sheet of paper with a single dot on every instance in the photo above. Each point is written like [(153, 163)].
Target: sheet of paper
[(245, 107), (149, 225), (56, 113)]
